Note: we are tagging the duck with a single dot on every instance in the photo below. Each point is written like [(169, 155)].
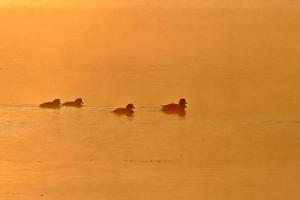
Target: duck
[(128, 111), (174, 108), (77, 103), (54, 104)]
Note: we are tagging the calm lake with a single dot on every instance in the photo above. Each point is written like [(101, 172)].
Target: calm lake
[(238, 69)]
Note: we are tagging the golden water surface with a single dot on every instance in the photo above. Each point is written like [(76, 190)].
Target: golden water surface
[(238, 68)]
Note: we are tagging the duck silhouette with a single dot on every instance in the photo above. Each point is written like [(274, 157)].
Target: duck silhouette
[(54, 104), (77, 103), (174, 108), (128, 111)]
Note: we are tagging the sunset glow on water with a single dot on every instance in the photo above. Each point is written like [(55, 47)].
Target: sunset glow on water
[(236, 64)]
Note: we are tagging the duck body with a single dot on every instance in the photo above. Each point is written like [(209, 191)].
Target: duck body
[(174, 108), (54, 104), (128, 111), (77, 103)]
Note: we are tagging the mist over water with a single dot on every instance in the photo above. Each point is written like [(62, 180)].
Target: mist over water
[(221, 60), (238, 70)]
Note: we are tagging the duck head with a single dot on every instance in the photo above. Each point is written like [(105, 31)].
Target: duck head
[(182, 103), (79, 101), (130, 106), (56, 101)]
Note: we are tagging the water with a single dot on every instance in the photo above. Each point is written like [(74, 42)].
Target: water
[(237, 69), (90, 153)]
